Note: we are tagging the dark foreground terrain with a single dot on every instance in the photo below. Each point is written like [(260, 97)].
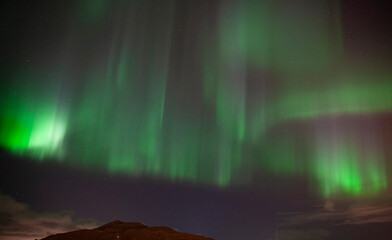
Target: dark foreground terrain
[(126, 231)]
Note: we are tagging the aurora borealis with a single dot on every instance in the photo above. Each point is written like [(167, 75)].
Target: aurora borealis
[(137, 109), (209, 93)]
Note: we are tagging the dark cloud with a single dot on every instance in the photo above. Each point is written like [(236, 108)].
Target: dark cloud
[(310, 234), (336, 219), (19, 222), (358, 213)]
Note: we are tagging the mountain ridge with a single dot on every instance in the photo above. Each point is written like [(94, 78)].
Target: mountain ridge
[(118, 230)]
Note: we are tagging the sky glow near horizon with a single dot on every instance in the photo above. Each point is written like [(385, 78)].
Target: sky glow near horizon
[(253, 88)]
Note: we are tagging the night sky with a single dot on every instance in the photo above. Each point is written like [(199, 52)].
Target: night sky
[(237, 119)]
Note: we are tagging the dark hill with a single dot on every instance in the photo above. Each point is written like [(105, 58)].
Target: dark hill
[(118, 230)]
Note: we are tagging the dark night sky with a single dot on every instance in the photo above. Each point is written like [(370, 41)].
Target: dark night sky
[(231, 119)]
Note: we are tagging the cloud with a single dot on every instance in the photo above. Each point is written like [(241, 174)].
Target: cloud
[(332, 219), (310, 234), (19, 222), (359, 213)]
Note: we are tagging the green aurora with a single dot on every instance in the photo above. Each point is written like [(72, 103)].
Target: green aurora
[(208, 114)]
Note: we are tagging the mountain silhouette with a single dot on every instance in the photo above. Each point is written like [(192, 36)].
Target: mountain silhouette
[(118, 230)]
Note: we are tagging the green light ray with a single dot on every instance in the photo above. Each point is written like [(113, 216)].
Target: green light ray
[(340, 167), (31, 123), (217, 103)]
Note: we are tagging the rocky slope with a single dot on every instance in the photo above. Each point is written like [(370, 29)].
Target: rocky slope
[(126, 231)]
